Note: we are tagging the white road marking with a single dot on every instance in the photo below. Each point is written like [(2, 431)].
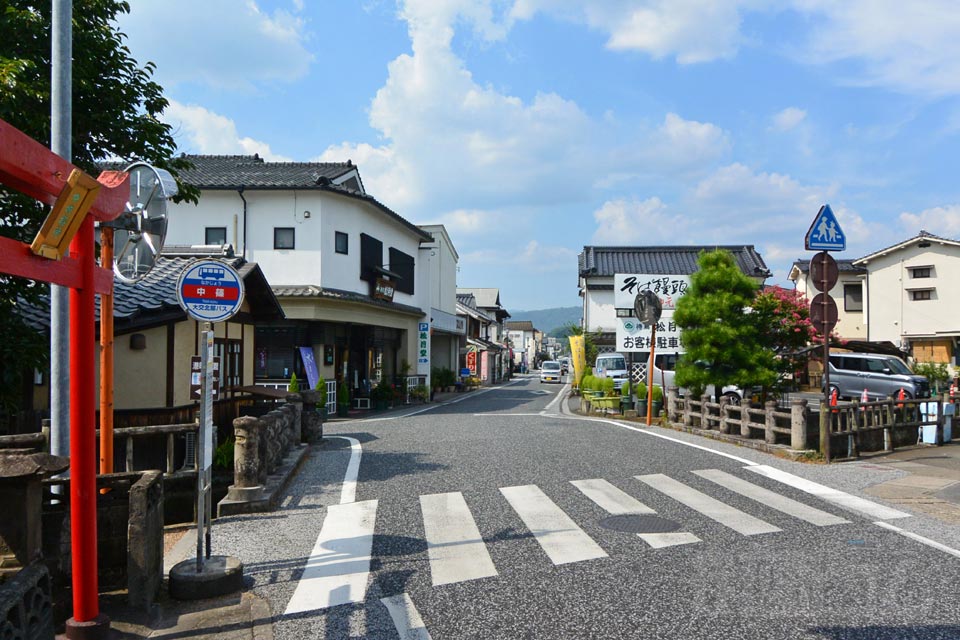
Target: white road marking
[(617, 502), (771, 499), (559, 536), (454, 544), (610, 498), (406, 618), (726, 515), (338, 567), (348, 492), (913, 536), (849, 502), (560, 395)]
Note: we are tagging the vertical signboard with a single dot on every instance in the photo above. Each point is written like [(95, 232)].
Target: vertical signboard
[(310, 366), (578, 356), (485, 366), (423, 348), (472, 360)]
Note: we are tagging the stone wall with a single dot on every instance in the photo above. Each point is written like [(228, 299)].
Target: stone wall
[(26, 605)]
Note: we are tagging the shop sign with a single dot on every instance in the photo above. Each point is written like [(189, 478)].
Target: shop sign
[(472, 361), (423, 348), (632, 336), (669, 288), (383, 290)]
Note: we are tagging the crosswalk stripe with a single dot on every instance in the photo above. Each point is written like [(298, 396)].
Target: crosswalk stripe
[(338, 567), (618, 502), (770, 498), (456, 549), (610, 498), (847, 501), (726, 515), (559, 536), (405, 617)]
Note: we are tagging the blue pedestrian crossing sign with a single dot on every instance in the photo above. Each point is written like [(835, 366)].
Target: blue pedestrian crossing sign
[(825, 233)]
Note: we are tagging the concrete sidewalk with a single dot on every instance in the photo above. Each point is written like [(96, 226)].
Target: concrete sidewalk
[(933, 484)]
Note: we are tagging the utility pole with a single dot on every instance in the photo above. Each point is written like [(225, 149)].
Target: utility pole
[(61, 123)]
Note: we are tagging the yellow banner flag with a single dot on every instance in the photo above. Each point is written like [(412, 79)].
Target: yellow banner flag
[(579, 358)]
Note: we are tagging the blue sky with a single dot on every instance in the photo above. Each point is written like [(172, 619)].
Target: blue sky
[(531, 128)]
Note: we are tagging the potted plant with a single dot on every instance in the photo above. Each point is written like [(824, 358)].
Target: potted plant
[(321, 388), (657, 399), (641, 399), (343, 400), (294, 386), (381, 395), (626, 399)]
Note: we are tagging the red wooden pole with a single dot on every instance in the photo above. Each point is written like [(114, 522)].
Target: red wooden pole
[(83, 450)]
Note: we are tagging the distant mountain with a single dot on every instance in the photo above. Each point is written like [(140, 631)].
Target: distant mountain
[(547, 320)]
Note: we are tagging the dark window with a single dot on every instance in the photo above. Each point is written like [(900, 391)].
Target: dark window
[(215, 235), (402, 264), (853, 297), (371, 257), (283, 238), (342, 242), (922, 294), (922, 272)]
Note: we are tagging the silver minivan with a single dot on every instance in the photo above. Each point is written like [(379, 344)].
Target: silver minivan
[(881, 376)]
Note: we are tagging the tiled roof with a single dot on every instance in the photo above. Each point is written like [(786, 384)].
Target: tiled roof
[(487, 298), (519, 325), (608, 261), (155, 296), (842, 265), (232, 172), (467, 299), (252, 172), (313, 291)]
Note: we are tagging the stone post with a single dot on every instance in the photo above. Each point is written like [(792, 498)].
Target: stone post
[(724, 414), (296, 436), (145, 540), (21, 495), (246, 485), (687, 418), (672, 395), (311, 420), (704, 412), (745, 420), (798, 424), (770, 421)]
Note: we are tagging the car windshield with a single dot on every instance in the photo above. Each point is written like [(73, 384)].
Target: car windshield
[(614, 363), (551, 366), (897, 366)]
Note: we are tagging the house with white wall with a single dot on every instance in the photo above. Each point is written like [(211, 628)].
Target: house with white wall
[(523, 339), (847, 293), (440, 280), (344, 266), (598, 266), (911, 298), (497, 354)]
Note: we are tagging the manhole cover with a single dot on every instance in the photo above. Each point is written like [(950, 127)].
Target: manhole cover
[(639, 523)]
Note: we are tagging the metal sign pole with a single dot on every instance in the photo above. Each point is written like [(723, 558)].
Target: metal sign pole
[(825, 329), (653, 343), (204, 445)]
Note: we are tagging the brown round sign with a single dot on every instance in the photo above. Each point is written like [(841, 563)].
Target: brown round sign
[(823, 271), (823, 313)]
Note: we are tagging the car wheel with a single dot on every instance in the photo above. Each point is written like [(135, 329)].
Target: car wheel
[(733, 398)]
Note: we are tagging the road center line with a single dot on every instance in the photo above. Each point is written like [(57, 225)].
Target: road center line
[(918, 538), (348, 492)]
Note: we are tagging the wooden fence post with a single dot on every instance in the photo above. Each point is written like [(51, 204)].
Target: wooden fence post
[(798, 424)]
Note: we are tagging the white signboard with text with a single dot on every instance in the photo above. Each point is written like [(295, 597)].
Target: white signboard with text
[(669, 288), (423, 349), (632, 336)]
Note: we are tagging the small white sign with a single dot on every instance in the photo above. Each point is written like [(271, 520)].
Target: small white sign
[(632, 336)]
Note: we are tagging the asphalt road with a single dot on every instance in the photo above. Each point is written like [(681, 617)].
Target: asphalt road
[(541, 560)]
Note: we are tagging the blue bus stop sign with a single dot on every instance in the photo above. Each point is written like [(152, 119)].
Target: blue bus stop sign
[(825, 233)]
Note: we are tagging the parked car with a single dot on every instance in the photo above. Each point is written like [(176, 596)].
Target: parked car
[(881, 375), (665, 370), (611, 365), (550, 372), (565, 365)]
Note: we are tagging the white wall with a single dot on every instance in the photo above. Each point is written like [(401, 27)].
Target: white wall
[(598, 306), (851, 325)]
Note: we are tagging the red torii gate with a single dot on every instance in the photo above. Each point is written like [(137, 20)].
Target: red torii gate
[(34, 170)]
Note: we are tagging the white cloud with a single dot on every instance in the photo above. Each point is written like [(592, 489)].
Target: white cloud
[(908, 46), (219, 43), (631, 221), (199, 130), (690, 30), (789, 118), (942, 221), (449, 139), (533, 257)]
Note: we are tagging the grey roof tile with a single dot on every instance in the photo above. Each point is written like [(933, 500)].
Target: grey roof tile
[(608, 261), (313, 291)]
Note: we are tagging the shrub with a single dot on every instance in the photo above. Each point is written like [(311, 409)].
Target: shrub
[(321, 385), (626, 389), (641, 391), (343, 395), (936, 373), (608, 385), (657, 393), (294, 386), (420, 392), (447, 377), (223, 456), (585, 382)]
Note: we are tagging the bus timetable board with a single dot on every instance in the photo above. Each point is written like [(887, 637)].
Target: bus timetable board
[(210, 290)]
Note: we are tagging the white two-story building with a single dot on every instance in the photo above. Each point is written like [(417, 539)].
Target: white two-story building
[(350, 273)]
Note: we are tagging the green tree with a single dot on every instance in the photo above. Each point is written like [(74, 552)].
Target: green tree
[(116, 109), (782, 320), (721, 339)]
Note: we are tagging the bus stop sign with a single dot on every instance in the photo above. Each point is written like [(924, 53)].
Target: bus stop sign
[(210, 290)]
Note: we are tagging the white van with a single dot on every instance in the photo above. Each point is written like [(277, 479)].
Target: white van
[(611, 365), (665, 370)]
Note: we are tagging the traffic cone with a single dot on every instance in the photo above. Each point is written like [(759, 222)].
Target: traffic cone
[(864, 398), (900, 397), (833, 399)]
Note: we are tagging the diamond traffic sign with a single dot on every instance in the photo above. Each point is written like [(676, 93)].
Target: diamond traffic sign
[(825, 233)]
